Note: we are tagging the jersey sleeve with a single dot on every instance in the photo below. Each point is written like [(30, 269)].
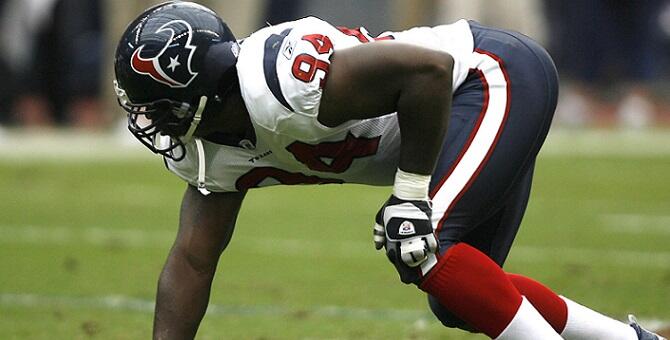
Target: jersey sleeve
[(304, 61), (283, 70), (302, 67)]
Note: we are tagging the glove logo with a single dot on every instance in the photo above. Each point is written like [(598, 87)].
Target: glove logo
[(406, 228), (179, 46)]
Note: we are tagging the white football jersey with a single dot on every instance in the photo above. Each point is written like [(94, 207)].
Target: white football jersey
[(281, 71)]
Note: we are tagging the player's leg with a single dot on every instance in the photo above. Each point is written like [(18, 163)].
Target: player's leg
[(511, 105), (571, 320), (494, 237), (475, 216)]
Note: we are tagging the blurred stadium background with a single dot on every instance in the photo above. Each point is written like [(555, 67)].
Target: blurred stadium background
[(87, 215)]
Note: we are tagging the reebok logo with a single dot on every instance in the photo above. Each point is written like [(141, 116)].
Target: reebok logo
[(288, 50), (406, 228)]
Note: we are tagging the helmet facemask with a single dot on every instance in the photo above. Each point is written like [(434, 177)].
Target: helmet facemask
[(164, 125)]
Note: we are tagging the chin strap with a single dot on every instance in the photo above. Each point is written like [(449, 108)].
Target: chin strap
[(198, 143), (196, 120), (201, 167)]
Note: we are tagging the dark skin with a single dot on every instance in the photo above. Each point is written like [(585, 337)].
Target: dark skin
[(366, 81)]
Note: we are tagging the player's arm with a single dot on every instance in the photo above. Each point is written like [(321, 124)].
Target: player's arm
[(205, 228), (383, 77)]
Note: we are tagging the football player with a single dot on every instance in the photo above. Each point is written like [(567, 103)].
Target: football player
[(451, 116)]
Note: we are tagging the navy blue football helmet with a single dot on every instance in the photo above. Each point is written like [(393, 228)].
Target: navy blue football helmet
[(172, 61)]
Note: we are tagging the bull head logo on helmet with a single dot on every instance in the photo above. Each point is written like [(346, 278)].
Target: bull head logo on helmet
[(172, 65)]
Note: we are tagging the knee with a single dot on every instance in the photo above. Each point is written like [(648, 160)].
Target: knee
[(447, 318)]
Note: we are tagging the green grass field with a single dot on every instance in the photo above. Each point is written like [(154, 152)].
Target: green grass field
[(82, 241)]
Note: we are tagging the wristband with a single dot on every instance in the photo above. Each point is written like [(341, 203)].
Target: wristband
[(411, 187)]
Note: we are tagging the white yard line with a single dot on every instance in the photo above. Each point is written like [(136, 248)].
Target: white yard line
[(136, 238), (126, 303), (97, 236), (614, 258), (65, 145), (60, 145), (615, 143), (419, 318), (636, 224)]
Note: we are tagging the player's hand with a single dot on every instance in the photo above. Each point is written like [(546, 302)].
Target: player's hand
[(404, 227)]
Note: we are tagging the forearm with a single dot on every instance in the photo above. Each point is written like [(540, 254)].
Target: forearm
[(182, 298), (205, 227)]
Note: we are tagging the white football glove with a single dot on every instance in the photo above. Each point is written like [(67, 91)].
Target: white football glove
[(405, 229)]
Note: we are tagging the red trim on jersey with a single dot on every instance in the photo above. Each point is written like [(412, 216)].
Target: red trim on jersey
[(363, 37), (472, 135)]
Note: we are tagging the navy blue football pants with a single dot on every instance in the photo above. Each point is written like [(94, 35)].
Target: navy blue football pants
[(500, 117)]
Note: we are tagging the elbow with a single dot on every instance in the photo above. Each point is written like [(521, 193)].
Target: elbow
[(440, 68), (432, 70)]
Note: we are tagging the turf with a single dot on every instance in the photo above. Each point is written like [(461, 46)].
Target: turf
[(82, 243)]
